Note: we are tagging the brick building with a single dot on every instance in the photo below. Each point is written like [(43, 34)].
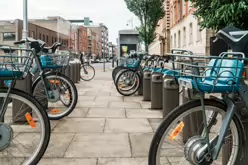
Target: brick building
[(11, 31)]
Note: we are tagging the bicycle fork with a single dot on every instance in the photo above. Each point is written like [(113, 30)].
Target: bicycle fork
[(213, 147)]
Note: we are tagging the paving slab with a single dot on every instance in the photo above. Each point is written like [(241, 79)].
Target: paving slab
[(124, 105), (53, 123), (109, 98), (79, 112), (93, 104), (127, 125), (143, 113), (145, 104), (140, 144), (81, 93), (68, 162), (59, 142), (99, 145), (86, 98), (107, 112), (133, 98), (80, 125), (155, 123), (97, 93), (123, 161)]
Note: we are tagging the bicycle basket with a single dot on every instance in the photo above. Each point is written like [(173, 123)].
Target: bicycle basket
[(54, 61), (13, 65), (210, 74)]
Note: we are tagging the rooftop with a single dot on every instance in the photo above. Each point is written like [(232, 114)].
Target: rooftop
[(129, 31)]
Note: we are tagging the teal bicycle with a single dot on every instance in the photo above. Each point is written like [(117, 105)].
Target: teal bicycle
[(205, 130), (55, 91), (24, 124)]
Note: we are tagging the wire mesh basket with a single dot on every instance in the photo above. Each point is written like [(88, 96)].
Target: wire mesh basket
[(54, 61), (209, 74), (15, 65)]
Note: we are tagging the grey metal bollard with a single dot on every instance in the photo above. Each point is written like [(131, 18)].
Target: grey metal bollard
[(24, 85), (193, 122), (67, 71), (78, 74), (170, 95), (147, 86), (140, 90), (71, 72), (75, 72), (156, 91)]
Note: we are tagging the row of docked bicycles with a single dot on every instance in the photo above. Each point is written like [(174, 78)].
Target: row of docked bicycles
[(25, 118), (220, 132)]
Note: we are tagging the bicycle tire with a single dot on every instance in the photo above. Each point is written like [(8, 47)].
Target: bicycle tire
[(116, 70), (131, 93), (152, 158), (91, 68), (30, 98), (72, 88)]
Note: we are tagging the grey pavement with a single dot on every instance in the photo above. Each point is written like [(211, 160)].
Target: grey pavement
[(104, 129)]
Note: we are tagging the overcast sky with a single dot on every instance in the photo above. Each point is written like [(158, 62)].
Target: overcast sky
[(113, 13)]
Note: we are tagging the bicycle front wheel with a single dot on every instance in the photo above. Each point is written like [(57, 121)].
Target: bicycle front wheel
[(25, 130), (128, 82), (181, 135), (87, 72)]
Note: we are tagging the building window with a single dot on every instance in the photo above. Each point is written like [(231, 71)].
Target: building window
[(190, 33), (199, 37), (32, 34), (184, 7), (47, 38), (40, 36), (52, 40), (184, 36), (175, 40), (179, 10), (44, 38), (9, 36), (172, 41), (175, 15), (179, 39)]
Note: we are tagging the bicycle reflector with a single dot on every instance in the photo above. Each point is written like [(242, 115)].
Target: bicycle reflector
[(30, 120), (55, 82), (177, 131), (55, 111)]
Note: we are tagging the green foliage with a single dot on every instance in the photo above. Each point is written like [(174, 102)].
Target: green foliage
[(149, 13), (217, 14)]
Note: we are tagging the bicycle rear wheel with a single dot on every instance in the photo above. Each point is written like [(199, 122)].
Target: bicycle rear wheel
[(116, 70), (64, 92), (25, 131), (87, 72), (179, 138)]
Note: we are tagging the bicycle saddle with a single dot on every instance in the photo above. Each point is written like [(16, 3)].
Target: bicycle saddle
[(51, 49), (7, 49), (34, 44), (236, 38)]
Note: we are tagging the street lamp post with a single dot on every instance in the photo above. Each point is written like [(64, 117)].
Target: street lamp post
[(103, 55), (25, 19)]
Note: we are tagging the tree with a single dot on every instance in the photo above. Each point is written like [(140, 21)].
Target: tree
[(149, 13), (217, 14)]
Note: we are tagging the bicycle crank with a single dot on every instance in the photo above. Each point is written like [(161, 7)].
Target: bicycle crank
[(6, 135)]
